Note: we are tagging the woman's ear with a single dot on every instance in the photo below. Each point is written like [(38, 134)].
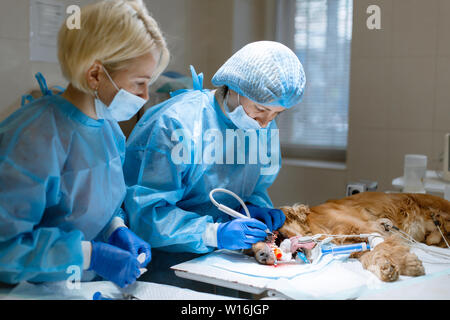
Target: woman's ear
[(93, 75), (233, 100)]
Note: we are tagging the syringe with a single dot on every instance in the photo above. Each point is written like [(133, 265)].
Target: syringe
[(345, 249)]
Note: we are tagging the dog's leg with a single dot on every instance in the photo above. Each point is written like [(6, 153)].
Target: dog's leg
[(434, 238), (411, 265), (380, 264), (390, 259)]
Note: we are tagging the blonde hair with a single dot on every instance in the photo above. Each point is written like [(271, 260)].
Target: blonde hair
[(112, 32)]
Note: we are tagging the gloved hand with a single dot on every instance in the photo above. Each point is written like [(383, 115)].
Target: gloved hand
[(240, 234), (273, 218), (127, 240), (114, 264)]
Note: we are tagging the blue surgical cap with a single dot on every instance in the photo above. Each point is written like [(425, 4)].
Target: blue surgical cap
[(266, 72)]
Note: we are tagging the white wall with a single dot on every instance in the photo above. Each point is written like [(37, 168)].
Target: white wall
[(16, 70), (400, 81), (399, 100), (174, 27)]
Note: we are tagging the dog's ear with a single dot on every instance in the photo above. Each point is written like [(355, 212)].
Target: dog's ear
[(296, 220), (298, 212)]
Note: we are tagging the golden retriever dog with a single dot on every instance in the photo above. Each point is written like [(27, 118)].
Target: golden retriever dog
[(418, 215)]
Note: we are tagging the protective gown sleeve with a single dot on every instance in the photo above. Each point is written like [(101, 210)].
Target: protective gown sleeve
[(260, 196), (29, 183), (156, 185), (117, 221), (119, 217)]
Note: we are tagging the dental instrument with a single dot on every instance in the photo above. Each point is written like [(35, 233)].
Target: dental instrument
[(230, 211)]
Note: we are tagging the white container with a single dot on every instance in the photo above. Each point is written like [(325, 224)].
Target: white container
[(447, 192), (446, 171), (414, 171)]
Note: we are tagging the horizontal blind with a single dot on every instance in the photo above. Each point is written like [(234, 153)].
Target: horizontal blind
[(322, 41)]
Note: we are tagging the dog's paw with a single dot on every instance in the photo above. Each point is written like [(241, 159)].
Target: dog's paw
[(385, 270), (412, 266)]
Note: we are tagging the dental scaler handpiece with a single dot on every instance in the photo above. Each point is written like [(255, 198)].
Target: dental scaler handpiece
[(345, 249)]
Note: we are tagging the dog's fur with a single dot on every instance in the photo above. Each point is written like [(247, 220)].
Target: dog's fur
[(369, 212)]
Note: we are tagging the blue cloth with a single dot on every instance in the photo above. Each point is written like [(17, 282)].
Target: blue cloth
[(61, 182), (167, 203), (266, 72)]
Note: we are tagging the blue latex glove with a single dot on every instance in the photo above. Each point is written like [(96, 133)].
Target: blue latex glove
[(240, 234), (127, 240), (273, 218), (114, 264)]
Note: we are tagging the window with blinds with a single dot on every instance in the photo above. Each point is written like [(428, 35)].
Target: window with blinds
[(317, 127)]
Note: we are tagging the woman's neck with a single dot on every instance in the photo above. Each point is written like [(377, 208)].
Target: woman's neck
[(219, 95), (83, 101), (219, 99)]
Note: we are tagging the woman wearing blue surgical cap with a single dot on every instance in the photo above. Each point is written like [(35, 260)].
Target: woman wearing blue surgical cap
[(181, 150), (61, 156)]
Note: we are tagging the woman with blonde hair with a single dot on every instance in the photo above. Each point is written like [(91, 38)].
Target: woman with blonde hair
[(61, 156)]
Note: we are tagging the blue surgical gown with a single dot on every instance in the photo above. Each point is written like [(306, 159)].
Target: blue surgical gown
[(61, 182), (167, 201)]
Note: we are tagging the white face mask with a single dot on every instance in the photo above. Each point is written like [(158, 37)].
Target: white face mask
[(123, 107), (240, 118)]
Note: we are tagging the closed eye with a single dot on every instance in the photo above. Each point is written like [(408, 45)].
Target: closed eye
[(259, 109)]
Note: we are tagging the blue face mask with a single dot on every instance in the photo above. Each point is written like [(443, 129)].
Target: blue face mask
[(122, 108), (240, 118)]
